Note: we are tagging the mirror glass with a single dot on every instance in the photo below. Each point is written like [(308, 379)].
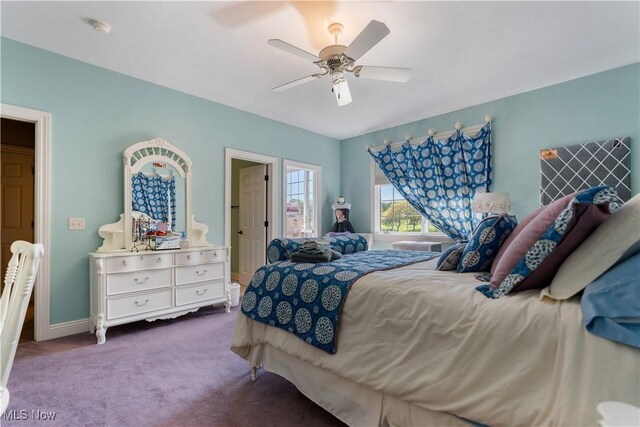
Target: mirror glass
[(158, 191)]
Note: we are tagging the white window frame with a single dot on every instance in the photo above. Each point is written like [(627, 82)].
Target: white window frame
[(317, 191), (394, 236)]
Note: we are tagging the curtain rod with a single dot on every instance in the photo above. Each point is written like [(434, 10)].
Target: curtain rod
[(470, 130)]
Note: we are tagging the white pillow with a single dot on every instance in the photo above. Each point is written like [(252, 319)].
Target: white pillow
[(600, 251)]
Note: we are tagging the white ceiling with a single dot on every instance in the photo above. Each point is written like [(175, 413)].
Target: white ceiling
[(461, 53)]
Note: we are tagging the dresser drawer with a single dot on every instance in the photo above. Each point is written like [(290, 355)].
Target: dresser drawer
[(120, 283), (138, 262), (200, 257), (199, 273), (137, 304), (200, 292)]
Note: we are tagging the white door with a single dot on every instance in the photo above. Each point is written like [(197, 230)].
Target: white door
[(16, 199), (253, 217)]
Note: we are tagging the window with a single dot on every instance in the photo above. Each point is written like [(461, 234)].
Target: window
[(301, 189), (393, 214)]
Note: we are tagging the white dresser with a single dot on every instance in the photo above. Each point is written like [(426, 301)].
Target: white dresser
[(131, 286)]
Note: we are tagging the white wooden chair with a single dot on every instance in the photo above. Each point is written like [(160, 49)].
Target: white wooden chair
[(18, 284)]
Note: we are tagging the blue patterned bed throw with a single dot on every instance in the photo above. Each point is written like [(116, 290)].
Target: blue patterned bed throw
[(306, 299)]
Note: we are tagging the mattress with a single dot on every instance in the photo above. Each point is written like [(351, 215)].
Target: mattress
[(428, 340)]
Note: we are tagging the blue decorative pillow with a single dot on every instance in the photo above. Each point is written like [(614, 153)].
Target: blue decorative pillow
[(280, 249), (449, 259), (566, 231), (485, 242), (611, 303)]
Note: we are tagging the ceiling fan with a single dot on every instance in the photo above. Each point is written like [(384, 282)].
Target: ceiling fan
[(336, 60)]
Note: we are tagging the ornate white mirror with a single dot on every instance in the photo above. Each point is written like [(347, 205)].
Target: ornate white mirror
[(157, 186)]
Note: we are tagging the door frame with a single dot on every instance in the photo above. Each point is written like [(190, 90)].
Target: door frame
[(317, 181), (272, 190), (42, 211)]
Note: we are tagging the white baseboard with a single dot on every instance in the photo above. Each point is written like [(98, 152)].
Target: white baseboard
[(67, 328)]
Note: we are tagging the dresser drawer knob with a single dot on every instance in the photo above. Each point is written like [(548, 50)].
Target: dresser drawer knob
[(124, 262), (141, 258), (158, 259), (201, 291), (189, 257), (201, 273), (215, 254), (142, 304), (201, 253), (140, 282)]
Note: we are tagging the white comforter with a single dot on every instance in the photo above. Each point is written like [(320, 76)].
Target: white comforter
[(429, 338)]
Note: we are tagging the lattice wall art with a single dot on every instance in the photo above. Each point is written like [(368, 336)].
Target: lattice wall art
[(565, 170)]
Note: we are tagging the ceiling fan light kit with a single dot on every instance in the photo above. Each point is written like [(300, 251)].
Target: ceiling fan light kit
[(341, 89), (337, 59)]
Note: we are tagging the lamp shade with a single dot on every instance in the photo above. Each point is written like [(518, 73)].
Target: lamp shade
[(491, 203)]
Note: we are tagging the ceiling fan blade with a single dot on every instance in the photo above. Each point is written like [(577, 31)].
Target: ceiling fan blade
[(293, 50), (342, 92), (391, 74), (368, 38), (297, 82)]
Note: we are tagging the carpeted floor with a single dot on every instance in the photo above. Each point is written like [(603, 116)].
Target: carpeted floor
[(167, 373)]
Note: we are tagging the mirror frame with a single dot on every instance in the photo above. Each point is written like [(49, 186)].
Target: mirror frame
[(155, 150), (117, 236)]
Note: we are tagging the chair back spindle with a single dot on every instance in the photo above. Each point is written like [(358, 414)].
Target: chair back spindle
[(18, 285)]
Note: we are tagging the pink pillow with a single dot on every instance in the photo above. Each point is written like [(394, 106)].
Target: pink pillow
[(523, 237), (512, 237), (542, 245)]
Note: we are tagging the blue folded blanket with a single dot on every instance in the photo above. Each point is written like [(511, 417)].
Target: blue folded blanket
[(325, 256), (611, 303)]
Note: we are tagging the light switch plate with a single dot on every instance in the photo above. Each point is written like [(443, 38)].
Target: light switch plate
[(76, 223)]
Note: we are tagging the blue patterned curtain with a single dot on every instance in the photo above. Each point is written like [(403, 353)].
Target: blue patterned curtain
[(440, 177), (154, 196)]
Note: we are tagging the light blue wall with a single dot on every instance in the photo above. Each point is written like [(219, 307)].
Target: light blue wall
[(591, 108), (96, 114)]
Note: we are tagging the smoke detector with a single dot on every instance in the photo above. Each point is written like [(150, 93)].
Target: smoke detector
[(100, 27)]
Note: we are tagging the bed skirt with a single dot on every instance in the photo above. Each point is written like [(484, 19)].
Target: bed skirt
[(352, 403)]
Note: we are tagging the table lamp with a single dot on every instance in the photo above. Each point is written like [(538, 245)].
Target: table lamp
[(491, 203)]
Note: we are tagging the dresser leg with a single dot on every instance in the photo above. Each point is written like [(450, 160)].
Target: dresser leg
[(101, 331)]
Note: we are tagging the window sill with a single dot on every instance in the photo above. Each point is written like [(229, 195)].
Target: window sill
[(418, 237)]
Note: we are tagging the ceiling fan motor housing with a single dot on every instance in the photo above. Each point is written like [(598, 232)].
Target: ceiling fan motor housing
[(332, 55)]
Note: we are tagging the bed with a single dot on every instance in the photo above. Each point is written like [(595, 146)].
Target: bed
[(416, 346)]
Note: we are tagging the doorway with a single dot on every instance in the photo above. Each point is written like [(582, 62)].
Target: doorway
[(249, 211), (248, 218), (17, 182), (300, 194)]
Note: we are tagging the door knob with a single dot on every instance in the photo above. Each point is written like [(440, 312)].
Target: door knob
[(240, 232)]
